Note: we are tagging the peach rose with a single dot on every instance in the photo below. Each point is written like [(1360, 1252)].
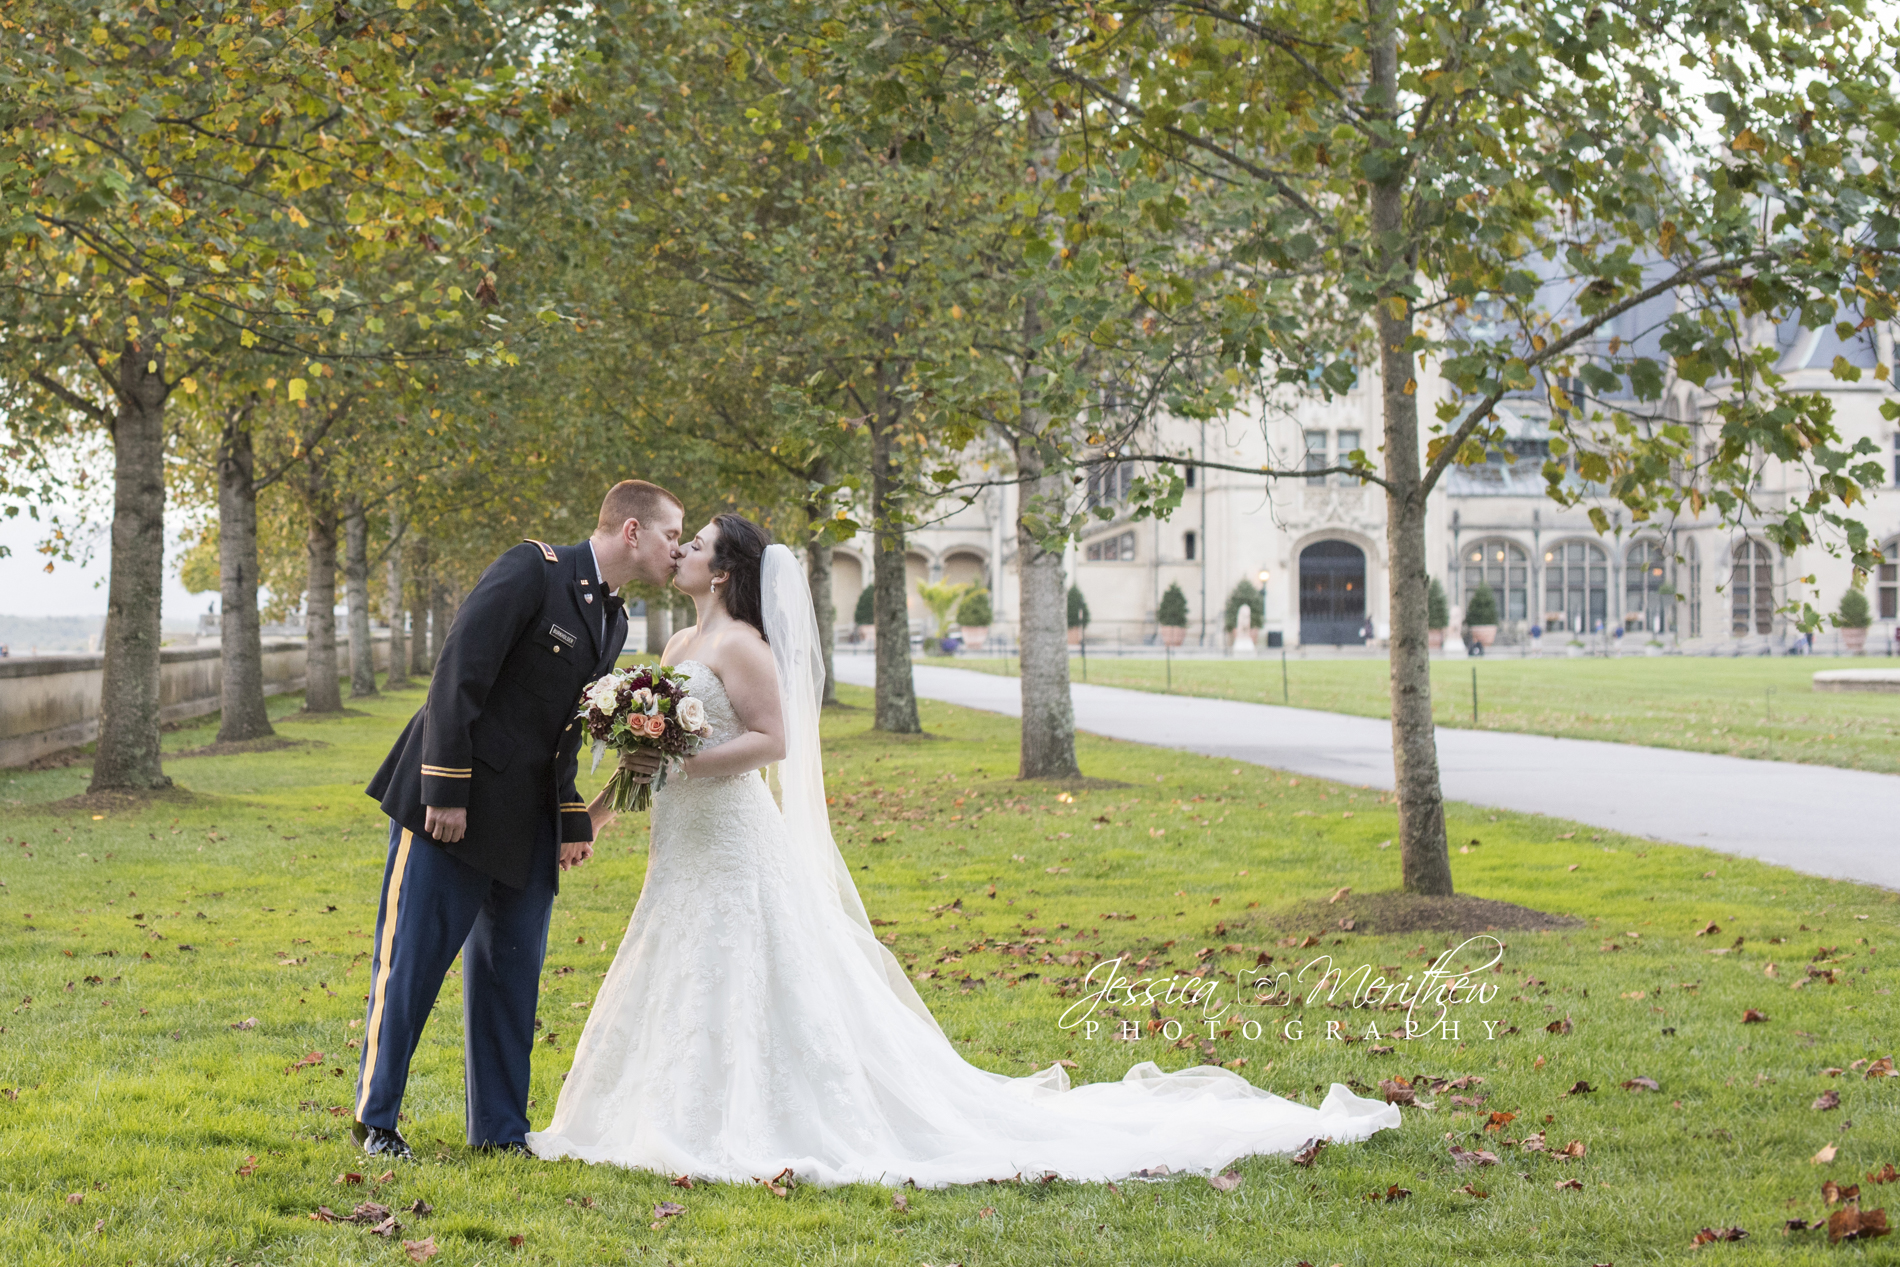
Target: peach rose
[(656, 726)]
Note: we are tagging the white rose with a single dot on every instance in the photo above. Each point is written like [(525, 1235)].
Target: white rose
[(691, 713), (601, 694), (643, 700)]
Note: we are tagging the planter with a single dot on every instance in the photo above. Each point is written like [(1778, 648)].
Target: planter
[(1485, 634), (1173, 635), (975, 636), (1075, 636), (1854, 640), (1573, 651), (1435, 638), (1652, 649)]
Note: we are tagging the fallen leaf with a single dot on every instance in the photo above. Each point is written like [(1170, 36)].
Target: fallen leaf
[(1472, 1157), (421, 1207), (249, 1167), (683, 1181), (1480, 1193), (1398, 1091), (1833, 1194), (1855, 1224), (516, 1242), (324, 1214), (1827, 1100), (988, 1210), (1309, 1152), (1339, 893), (349, 1177), (249, 1022), (1882, 1068), (387, 1228), (1708, 1235), (1226, 1181), (1393, 1193), (386, 1176), (1580, 1088), (1561, 1184), (421, 1251), (1713, 927), (1751, 1017), (1823, 1157), (1574, 1149), (900, 1203), (668, 1209), (1560, 1027), (1884, 1175), (75, 1198), (1642, 1084)]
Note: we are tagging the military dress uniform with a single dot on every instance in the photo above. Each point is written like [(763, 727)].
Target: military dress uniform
[(498, 736)]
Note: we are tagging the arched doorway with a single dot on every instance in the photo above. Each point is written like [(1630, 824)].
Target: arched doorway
[(1332, 593)]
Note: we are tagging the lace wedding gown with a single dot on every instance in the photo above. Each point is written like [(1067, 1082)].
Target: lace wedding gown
[(748, 1024)]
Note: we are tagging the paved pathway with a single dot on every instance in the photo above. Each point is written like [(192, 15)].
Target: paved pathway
[(1817, 819)]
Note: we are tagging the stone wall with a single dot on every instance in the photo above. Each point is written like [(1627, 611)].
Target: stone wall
[(52, 702)]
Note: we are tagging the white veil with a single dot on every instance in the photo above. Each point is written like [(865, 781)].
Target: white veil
[(791, 627)]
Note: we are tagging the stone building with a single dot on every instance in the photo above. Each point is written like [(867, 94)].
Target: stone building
[(1317, 545)]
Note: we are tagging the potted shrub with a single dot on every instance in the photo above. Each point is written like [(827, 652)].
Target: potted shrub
[(1575, 648), (941, 598), (1078, 615), (865, 618), (1244, 595), (1172, 616), (1853, 618), (1438, 615), (973, 619), (1482, 616), (1653, 647)]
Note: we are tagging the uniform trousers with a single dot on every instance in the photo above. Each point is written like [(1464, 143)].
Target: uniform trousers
[(432, 907)]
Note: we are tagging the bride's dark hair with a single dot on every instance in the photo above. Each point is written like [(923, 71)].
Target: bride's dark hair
[(738, 551)]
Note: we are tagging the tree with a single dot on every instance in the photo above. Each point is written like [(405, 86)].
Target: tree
[(1483, 608), (974, 612), (1078, 608), (942, 597), (1854, 612), (1173, 611), (862, 614), (177, 187), (1437, 610), (1486, 191)]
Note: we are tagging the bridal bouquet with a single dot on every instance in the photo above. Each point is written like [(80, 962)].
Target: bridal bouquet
[(647, 706)]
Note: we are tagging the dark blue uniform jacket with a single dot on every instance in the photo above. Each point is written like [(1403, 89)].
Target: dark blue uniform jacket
[(498, 733)]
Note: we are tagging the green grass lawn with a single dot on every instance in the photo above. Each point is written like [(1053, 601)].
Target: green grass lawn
[(145, 1120), (1759, 706)]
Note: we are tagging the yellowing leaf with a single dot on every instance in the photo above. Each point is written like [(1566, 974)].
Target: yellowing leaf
[(297, 388)]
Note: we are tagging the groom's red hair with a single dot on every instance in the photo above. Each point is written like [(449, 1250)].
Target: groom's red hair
[(634, 499)]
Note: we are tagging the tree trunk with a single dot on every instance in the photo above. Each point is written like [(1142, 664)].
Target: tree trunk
[(1048, 725), (1424, 860), (420, 585), (1048, 729), (241, 650), (818, 572), (659, 624), (441, 612), (398, 677), (356, 589), (321, 691), (896, 695), (128, 756)]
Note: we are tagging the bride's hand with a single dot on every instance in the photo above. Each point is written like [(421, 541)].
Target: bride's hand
[(641, 764)]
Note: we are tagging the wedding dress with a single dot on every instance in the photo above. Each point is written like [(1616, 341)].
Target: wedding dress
[(752, 1021)]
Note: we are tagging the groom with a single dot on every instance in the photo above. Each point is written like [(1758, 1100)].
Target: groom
[(484, 813)]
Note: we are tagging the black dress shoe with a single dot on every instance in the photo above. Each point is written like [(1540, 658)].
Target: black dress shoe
[(517, 1148), (382, 1141)]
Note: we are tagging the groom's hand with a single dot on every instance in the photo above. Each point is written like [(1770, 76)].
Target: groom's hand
[(445, 825), (575, 852)]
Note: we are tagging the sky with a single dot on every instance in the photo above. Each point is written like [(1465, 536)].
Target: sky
[(26, 589)]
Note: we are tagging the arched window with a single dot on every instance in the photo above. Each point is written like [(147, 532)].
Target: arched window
[(1649, 603), (1889, 584), (1576, 587), (1505, 567), (1752, 590)]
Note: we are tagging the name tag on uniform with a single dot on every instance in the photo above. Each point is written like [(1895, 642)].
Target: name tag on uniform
[(562, 634)]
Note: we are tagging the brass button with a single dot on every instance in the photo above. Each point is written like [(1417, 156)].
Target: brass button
[(556, 648)]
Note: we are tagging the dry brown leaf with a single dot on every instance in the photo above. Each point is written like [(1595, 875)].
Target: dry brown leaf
[(1823, 1157), (1580, 1087), (517, 1241), (324, 1214), (1480, 1193), (900, 1203), (249, 1167), (1884, 1175), (1750, 1016), (421, 1251), (1642, 1084), (1226, 1181), (1561, 1184), (986, 1211), (1708, 1235), (1855, 1224), (387, 1228), (1397, 1091), (1833, 1194), (1339, 893), (349, 1177), (1882, 1068), (683, 1181), (1560, 1027), (1829, 1099), (1309, 1152), (1574, 1149), (1472, 1156), (1712, 927), (419, 1207)]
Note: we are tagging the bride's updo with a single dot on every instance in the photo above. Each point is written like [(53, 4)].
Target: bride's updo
[(738, 551)]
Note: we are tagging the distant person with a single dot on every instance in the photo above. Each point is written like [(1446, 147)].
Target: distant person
[(4, 652), (1366, 632)]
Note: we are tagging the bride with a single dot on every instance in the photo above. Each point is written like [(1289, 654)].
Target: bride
[(752, 1021)]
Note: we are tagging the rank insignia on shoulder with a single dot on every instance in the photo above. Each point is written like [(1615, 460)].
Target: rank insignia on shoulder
[(562, 634), (547, 551)]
